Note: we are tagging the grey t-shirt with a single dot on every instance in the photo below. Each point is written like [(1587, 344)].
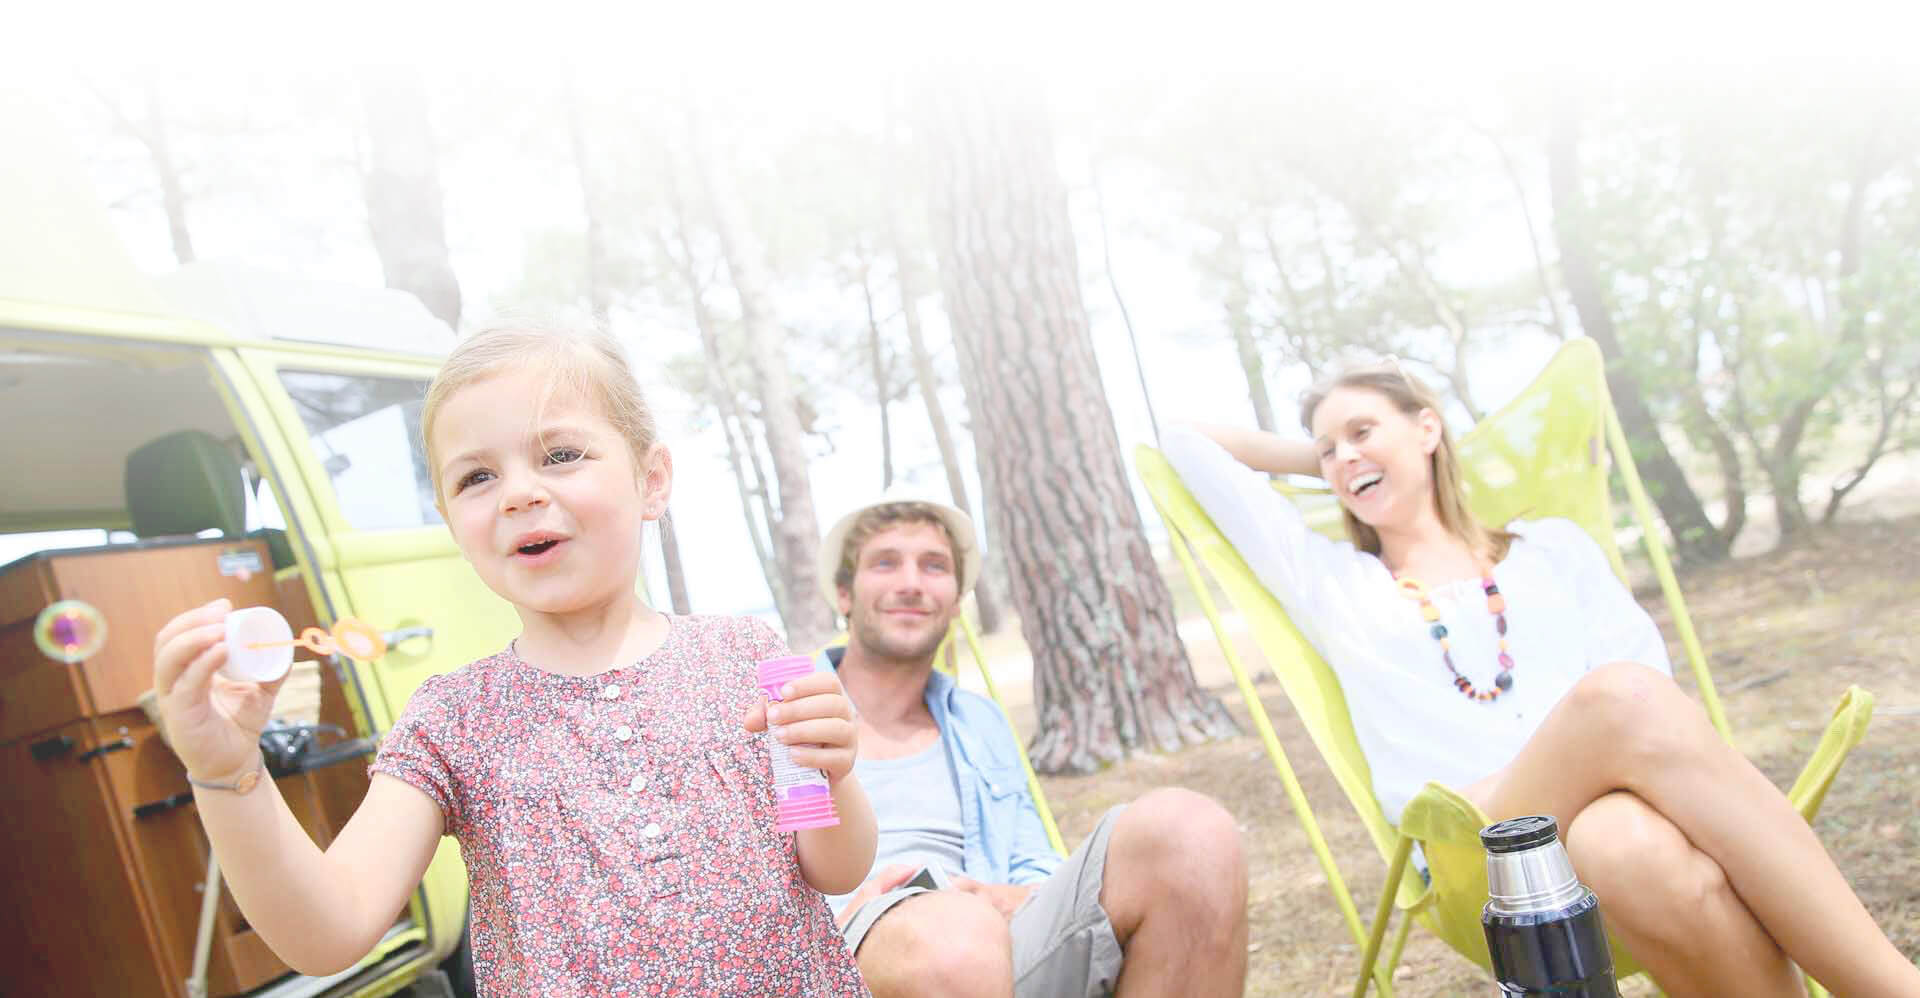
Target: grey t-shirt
[(917, 807)]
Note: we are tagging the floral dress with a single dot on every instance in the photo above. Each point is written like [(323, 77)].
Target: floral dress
[(618, 829)]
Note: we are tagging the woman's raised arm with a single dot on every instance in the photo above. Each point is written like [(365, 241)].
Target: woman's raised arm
[(1263, 451)]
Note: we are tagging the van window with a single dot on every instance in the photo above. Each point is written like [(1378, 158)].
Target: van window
[(366, 431)]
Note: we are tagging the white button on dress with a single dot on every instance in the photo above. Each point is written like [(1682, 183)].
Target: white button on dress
[(652, 831), (623, 733), (610, 692), (639, 783)]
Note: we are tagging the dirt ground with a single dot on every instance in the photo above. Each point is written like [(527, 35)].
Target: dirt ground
[(1785, 633)]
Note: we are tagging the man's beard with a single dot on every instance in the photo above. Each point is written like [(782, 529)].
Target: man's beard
[(877, 643)]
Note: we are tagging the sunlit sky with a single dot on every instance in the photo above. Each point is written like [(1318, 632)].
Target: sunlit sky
[(805, 61)]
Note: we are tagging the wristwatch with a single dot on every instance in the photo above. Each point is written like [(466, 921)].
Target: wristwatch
[(246, 782)]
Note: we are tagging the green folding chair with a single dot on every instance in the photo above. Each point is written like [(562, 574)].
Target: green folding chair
[(1543, 455)]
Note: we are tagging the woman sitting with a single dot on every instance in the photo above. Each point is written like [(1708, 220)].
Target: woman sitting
[(1512, 665)]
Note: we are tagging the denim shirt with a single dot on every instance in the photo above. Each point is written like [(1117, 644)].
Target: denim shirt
[(1006, 843)]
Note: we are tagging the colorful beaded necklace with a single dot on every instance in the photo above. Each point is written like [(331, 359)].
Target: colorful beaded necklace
[(1496, 605)]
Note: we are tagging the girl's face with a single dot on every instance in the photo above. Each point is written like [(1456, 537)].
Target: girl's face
[(1377, 458), (547, 505)]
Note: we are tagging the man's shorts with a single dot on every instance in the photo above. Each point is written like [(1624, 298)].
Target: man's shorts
[(1063, 943)]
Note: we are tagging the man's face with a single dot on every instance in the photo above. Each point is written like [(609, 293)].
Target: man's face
[(905, 591)]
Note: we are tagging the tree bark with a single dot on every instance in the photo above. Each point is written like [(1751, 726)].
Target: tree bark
[(404, 202), (985, 598), (1111, 675), (796, 535), (1694, 536)]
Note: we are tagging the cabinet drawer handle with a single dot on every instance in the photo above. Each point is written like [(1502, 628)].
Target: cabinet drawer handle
[(117, 745), (150, 809), (50, 747)]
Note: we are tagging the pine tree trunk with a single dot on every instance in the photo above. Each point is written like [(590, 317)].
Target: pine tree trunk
[(1694, 536), (796, 535), (403, 192), (1111, 675), (173, 197), (985, 601), (726, 400), (599, 295), (882, 390), (1240, 321), (676, 571)]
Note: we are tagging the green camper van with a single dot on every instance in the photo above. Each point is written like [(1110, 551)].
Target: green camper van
[(168, 440)]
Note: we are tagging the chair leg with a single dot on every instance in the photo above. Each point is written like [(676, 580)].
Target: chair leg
[(1302, 811), (1382, 915), (1399, 942)]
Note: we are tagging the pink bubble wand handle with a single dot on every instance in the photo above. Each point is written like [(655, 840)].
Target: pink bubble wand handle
[(801, 795)]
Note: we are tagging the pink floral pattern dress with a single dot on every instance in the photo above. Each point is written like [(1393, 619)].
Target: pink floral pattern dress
[(618, 829)]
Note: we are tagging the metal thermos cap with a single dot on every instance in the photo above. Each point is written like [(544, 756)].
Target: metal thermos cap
[(1519, 834)]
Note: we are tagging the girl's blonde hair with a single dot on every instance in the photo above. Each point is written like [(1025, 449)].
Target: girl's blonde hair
[(1410, 395), (579, 359)]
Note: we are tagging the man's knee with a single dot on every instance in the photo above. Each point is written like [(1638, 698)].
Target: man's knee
[(1180, 823), (1173, 845), (1637, 860), (939, 943)]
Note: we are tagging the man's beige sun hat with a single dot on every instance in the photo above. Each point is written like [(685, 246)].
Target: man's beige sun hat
[(959, 526)]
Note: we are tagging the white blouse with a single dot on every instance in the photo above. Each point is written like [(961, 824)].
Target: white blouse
[(1566, 613)]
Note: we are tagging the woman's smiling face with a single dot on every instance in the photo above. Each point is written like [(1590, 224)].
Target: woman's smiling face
[(1377, 458)]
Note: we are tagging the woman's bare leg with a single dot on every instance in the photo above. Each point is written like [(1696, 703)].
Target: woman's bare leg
[(1647, 873), (1627, 727)]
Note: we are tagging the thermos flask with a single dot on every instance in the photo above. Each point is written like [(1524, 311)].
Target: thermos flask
[(1543, 926)]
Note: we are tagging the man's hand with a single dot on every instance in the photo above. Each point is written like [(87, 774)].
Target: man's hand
[(1005, 898), (888, 878), (814, 719)]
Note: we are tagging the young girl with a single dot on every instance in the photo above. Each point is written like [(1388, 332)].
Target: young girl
[(1552, 694), (615, 815)]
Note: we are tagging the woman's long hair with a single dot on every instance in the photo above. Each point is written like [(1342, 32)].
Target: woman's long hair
[(1410, 396)]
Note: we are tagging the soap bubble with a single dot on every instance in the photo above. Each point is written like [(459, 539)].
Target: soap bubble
[(70, 631)]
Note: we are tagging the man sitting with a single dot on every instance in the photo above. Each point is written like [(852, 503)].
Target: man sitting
[(1152, 903)]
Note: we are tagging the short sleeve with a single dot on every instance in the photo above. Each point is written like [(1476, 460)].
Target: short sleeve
[(412, 751)]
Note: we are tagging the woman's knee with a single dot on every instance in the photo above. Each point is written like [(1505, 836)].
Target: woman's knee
[(1638, 711), (1638, 861)]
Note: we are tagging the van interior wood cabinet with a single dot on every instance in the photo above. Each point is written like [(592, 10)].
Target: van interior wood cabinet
[(102, 858)]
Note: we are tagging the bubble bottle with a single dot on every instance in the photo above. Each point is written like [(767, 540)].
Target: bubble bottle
[(802, 796)]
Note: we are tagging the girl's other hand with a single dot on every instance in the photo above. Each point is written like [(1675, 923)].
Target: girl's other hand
[(212, 723), (814, 719)]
